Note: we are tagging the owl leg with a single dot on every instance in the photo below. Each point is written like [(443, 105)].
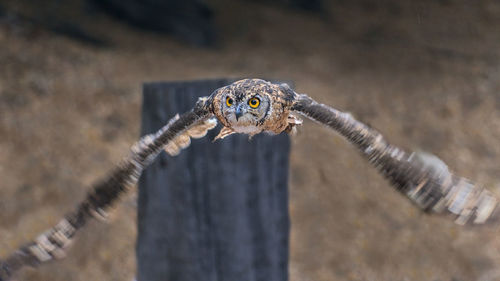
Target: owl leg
[(224, 132), (293, 121)]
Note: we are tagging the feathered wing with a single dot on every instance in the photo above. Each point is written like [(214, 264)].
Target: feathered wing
[(172, 137), (423, 178)]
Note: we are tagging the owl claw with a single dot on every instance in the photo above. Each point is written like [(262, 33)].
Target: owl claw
[(224, 132), (293, 121)]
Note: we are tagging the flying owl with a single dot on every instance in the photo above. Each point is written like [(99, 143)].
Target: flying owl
[(253, 106)]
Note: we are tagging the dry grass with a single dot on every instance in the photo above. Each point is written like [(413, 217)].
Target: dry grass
[(425, 74)]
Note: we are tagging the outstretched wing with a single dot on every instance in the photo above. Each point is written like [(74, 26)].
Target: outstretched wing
[(172, 137), (423, 178)]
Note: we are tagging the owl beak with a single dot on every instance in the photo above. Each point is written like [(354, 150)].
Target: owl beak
[(239, 112)]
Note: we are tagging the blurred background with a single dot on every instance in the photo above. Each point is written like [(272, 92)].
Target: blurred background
[(425, 73)]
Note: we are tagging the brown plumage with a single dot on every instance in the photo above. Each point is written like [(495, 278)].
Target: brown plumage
[(253, 106), (423, 178), (272, 115)]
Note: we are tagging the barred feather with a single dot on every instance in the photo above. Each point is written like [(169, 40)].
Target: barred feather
[(52, 243), (423, 178)]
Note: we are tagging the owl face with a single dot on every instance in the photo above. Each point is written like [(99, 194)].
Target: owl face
[(244, 111), (251, 106)]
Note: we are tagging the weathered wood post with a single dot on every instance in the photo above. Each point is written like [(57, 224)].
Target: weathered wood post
[(218, 211)]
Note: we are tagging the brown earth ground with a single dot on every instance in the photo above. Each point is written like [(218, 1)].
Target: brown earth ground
[(425, 73)]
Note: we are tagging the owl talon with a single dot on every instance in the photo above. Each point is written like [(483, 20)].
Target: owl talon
[(224, 132), (293, 122)]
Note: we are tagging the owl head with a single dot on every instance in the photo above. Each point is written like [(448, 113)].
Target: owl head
[(243, 105), (252, 106)]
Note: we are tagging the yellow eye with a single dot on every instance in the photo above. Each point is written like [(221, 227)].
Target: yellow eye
[(229, 101), (254, 102)]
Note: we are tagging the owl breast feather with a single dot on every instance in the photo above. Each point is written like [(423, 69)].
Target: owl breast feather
[(247, 129)]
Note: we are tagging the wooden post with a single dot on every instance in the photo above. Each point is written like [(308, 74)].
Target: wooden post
[(218, 211)]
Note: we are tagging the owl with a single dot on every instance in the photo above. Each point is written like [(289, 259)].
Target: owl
[(253, 106)]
